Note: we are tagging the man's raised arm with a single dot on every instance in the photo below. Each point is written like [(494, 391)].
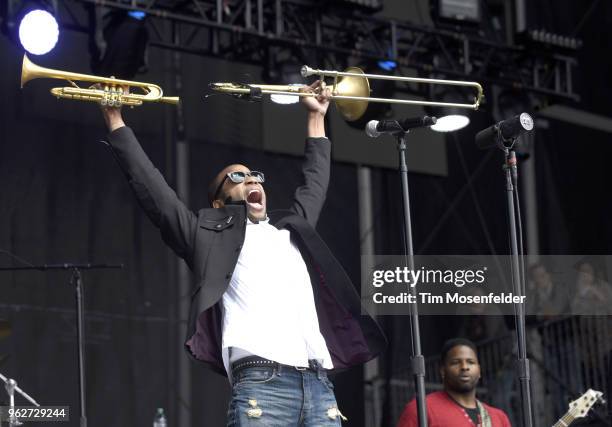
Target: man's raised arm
[(310, 196), (176, 222)]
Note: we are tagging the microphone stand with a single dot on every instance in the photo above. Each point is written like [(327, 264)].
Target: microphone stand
[(518, 277), (11, 387), (77, 282), (418, 361)]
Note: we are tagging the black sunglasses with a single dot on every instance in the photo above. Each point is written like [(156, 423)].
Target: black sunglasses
[(237, 177)]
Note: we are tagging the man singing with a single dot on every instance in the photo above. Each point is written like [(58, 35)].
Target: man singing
[(277, 311), (456, 405)]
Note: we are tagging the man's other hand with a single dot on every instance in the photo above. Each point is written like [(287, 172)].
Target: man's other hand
[(320, 102), (112, 115)]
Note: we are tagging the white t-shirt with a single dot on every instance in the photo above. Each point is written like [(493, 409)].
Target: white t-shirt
[(268, 308)]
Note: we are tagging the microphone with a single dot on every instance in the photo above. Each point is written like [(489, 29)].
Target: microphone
[(508, 129), (375, 128)]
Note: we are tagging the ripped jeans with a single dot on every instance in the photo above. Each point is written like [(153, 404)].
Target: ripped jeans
[(282, 396)]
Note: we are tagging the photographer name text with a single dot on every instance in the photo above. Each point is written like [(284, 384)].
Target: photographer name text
[(447, 298)]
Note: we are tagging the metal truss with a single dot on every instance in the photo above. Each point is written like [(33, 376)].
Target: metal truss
[(266, 31)]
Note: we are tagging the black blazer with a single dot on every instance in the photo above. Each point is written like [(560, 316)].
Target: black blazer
[(210, 243)]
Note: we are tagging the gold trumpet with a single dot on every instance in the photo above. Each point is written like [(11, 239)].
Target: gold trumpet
[(110, 93), (350, 90)]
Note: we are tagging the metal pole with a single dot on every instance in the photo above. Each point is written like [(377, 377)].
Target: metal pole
[(183, 275), (418, 361), (366, 243), (10, 389), (523, 361), (76, 278)]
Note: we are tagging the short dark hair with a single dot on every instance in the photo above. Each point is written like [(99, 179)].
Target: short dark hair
[(212, 188), (452, 343)]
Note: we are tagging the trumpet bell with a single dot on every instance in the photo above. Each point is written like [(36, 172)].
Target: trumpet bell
[(29, 71), (352, 86)]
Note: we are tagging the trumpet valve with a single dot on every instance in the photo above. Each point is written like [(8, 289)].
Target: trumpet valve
[(109, 98), (117, 97)]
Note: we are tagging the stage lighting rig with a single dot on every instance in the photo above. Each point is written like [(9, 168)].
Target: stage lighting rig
[(334, 35)]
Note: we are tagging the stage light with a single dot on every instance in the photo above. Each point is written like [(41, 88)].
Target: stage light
[(451, 123), (38, 32), (387, 65), (286, 99), (137, 14), (450, 118), (284, 72), (31, 24)]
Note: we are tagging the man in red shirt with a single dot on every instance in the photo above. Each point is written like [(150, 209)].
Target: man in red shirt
[(457, 405)]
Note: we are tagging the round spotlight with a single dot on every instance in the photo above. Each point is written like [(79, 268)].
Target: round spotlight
[(286, 99), (451, 123), (38, 32)]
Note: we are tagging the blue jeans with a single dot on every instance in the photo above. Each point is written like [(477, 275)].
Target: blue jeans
[(282, 397)]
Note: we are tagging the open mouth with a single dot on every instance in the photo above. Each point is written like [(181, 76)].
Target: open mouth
[(255, 199)]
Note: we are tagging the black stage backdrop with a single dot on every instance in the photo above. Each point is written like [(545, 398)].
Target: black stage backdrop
[(62, 198)]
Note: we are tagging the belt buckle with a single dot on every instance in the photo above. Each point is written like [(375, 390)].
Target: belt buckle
[(315, 365)]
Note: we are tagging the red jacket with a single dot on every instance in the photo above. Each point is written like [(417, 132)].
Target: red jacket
[(442, 411)]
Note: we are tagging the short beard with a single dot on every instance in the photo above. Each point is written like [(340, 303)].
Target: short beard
[(462, 387)]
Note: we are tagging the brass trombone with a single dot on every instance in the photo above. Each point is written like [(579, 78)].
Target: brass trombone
[(110, 93), (350, 90)]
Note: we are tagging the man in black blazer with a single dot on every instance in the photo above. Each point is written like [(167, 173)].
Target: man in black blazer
[(277, 311)]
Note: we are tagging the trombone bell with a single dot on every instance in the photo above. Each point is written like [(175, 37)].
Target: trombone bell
[(352, 86)]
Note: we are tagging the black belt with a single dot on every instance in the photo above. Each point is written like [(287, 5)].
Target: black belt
[(260, 362)]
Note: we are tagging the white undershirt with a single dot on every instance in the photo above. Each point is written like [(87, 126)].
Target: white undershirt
[(268, 308)]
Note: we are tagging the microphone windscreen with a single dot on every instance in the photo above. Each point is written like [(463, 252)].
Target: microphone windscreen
[(508, 129), (513, 127), (486, 137), (370, 129)]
